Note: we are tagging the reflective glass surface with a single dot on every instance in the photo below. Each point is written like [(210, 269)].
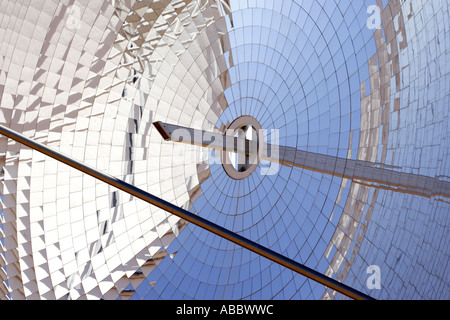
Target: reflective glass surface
[(348, 84)]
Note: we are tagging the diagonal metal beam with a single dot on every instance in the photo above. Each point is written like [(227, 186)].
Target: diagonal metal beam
[(188, 216), (372, 174)]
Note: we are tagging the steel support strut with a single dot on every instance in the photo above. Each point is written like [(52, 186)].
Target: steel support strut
[(188, 216), (377, 175)]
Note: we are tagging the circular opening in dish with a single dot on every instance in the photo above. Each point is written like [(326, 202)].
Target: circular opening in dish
[(246, 143)]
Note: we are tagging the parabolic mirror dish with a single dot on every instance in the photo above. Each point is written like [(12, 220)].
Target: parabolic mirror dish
[(353, 97)]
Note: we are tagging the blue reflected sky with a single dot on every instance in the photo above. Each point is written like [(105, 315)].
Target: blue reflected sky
[(298, 67)]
